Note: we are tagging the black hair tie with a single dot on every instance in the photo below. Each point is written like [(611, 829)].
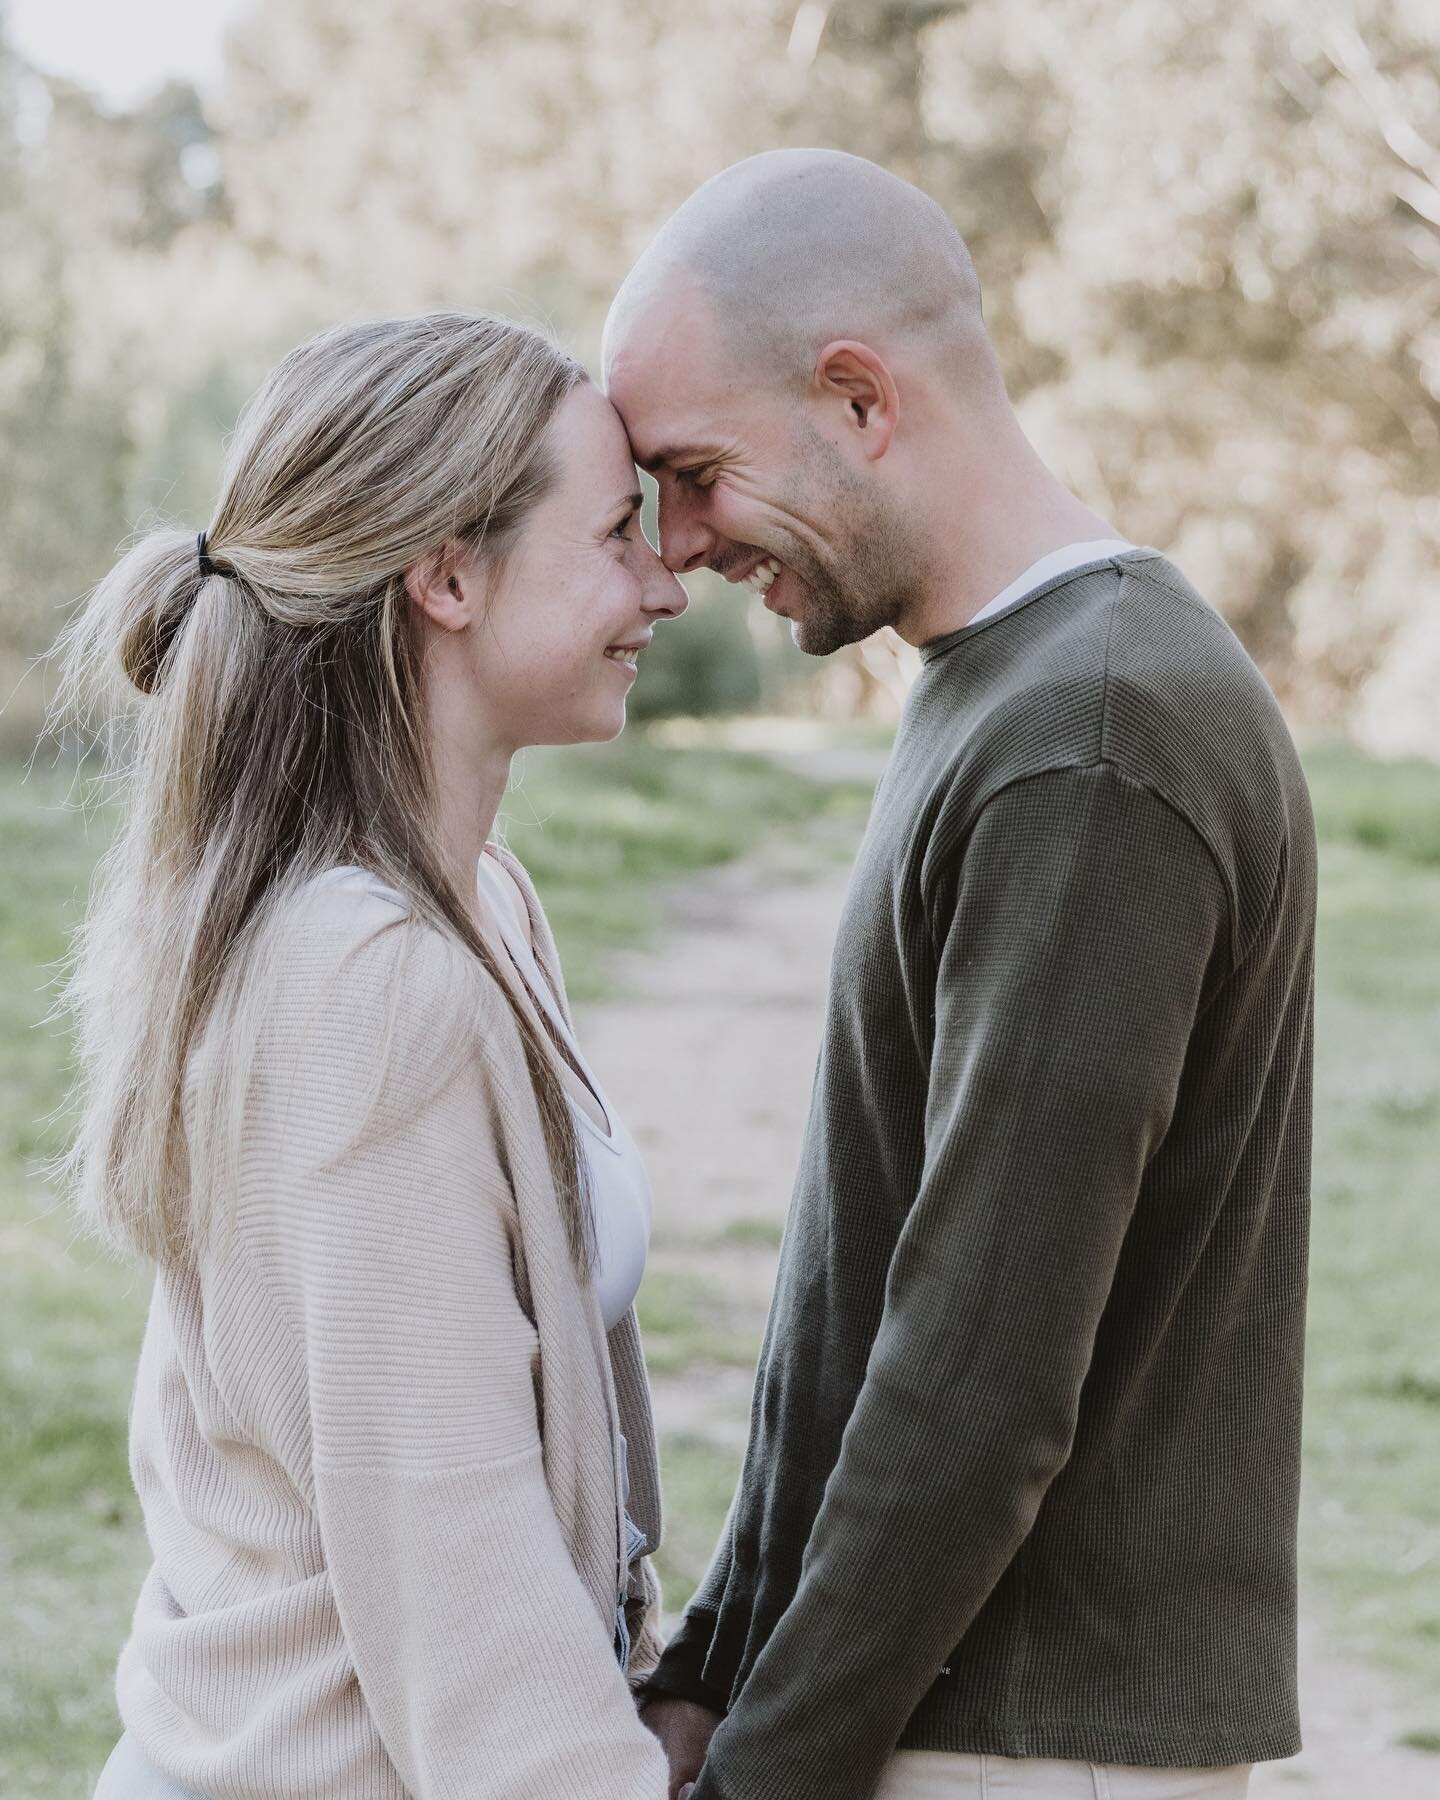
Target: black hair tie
[(207, 568)]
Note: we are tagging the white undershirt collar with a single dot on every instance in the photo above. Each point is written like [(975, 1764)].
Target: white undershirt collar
[(1056, 562)]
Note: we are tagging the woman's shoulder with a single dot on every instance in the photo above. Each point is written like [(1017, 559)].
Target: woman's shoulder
[(348, 931), (349, 960), (357, 1014)]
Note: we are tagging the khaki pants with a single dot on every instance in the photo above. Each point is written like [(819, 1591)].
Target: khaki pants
[(957, 1775)]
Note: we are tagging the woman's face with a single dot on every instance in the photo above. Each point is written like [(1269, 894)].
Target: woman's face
[(579, 595)]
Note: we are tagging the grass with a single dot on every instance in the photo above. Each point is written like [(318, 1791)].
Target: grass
[(1393, 807), (73, 1548), (1372, 1518), (603, 832), (688, 1324), (764, 1234), (699, 1479)]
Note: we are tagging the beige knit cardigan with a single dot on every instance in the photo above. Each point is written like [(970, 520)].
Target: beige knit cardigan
[(377, 1418)]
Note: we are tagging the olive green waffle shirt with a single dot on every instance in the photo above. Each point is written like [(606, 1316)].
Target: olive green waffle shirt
[(1024, 1451)]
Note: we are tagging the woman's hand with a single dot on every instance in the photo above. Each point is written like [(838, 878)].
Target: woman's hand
[(685, 1729)]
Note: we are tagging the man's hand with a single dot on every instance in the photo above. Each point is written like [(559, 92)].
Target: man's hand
[(684, 1729)]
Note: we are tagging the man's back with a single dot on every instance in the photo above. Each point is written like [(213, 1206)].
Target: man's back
[(1024, 1455)]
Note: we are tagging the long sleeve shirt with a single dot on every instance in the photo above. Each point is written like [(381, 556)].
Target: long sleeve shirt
[(1024, 1452)]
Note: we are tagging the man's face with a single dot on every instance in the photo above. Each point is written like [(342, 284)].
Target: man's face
[(749, 482)]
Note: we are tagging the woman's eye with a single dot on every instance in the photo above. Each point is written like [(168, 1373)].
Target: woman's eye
[(622, 530)]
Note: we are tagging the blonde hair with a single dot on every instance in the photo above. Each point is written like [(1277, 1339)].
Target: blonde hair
[(282, 731)]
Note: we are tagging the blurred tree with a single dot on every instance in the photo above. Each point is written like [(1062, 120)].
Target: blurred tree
[(1209, 236), (425, 152), (707, 664), (1241, 290), (119, 369), (65, 441)]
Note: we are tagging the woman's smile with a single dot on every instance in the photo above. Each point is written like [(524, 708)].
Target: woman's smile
[(627, 655)]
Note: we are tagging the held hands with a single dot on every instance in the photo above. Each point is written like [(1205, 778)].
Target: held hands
[(684, 1729)]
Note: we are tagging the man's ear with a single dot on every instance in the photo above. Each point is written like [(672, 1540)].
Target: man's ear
[(855, 378), (446, 586)]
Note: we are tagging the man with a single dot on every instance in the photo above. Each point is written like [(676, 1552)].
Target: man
[(1018, 1510)]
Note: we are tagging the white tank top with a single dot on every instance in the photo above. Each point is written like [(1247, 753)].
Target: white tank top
[(619, 1187)]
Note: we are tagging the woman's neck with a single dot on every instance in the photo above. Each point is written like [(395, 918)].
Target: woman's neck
[(471, 775)]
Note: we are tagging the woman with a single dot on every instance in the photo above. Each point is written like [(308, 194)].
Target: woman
[(391, 1401)]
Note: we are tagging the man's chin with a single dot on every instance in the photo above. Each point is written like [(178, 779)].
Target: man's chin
[(823, 637), (821, 622)]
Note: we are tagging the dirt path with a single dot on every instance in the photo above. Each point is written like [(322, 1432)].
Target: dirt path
[(709, 1055)]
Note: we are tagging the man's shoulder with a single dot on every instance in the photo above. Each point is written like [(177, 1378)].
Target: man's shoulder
[(1174, 668), (1126, 664), (1189, 714), (1133, 668)]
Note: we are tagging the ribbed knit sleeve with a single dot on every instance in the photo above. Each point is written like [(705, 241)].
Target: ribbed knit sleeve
[(1077, 928), (376, 1207)]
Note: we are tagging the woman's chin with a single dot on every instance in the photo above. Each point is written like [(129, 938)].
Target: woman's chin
[(600, 725)]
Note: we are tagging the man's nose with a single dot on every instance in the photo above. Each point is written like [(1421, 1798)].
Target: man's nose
[(686, 542), (663, 593)]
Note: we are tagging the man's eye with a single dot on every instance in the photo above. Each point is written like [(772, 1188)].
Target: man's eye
[(701, 477)]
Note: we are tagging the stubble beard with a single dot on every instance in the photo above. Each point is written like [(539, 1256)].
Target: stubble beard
[(865, 589), (869, 580)]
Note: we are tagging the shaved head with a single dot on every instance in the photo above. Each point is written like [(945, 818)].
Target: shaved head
[(799, 357), (796, 248)]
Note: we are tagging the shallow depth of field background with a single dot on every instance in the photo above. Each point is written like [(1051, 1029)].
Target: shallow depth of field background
[(1210, 241)]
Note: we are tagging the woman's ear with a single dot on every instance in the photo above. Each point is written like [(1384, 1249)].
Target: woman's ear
[(446, 586), (855, 379)]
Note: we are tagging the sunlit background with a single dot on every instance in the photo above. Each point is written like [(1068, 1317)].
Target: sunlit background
[(1209, 233)]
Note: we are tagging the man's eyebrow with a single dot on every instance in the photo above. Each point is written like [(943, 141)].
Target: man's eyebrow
[(671, 454)]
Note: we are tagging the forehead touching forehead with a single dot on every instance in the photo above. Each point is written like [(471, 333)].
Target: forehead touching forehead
[(782, 254), (674, 378), (586, 417), (593, 465)]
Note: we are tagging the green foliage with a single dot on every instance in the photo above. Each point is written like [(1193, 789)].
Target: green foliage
[(703, 664), (97, 201)]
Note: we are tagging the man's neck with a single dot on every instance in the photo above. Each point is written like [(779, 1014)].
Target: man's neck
[(1009, 522)]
